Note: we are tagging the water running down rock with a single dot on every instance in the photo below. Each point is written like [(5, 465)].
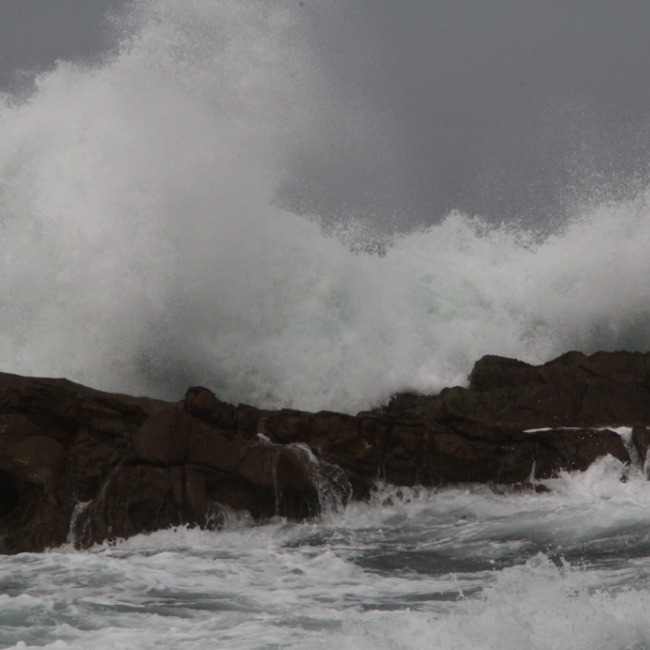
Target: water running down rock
[(84, 466)]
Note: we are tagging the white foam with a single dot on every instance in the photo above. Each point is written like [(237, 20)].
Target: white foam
[(537, 605), (458, 567)]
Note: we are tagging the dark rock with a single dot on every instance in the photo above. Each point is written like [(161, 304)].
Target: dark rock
[(573, 390), (492, 372), (84, 466)]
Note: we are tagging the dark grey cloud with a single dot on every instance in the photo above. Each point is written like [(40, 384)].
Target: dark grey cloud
[(508, 108)]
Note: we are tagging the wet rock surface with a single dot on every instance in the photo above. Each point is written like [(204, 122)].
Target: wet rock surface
[(79, 465)]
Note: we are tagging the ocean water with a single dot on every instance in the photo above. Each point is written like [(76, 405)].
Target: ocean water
[(144, 247), (413, 569)]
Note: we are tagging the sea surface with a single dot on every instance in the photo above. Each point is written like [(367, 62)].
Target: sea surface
[(468, 567), (145, 247)]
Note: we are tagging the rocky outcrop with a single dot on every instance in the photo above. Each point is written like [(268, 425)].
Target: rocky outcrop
[(83, 466)]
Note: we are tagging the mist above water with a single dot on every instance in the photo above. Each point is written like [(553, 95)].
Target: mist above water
[(148, 242)]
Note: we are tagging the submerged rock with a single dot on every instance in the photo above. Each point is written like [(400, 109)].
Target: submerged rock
[(84, 466)]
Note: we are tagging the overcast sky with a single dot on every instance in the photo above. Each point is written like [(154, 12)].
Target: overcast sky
[(507, 108)]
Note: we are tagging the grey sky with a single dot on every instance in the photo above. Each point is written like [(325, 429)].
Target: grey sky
[(34, 33), (503, 107), (508, 108)]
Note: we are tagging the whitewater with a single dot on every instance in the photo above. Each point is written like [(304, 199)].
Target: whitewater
[(145, 247), (413, 569)]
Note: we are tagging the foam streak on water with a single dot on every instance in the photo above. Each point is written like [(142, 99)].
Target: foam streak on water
[(143, 250), (413, 569)]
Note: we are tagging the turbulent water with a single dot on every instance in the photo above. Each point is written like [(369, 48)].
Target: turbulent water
[(414, 569), (144, 247)]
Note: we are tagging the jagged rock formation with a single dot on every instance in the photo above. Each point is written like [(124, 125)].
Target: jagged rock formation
[(81, 465)]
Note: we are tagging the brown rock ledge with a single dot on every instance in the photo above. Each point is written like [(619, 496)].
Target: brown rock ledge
[(81, 465)]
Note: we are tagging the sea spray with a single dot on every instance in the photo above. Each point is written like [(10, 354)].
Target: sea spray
[(329, 481), (144, 249)]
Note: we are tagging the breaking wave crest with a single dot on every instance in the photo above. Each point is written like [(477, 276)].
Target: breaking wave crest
[(144, 249)]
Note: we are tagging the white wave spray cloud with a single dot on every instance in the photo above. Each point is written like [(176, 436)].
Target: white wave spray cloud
[(142, 247)]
